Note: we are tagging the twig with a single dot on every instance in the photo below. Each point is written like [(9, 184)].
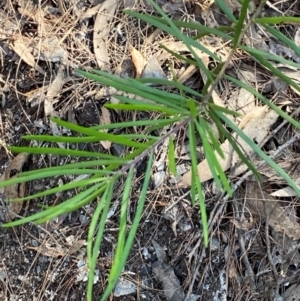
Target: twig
[(246, 261), (274, 132), (268, 245)]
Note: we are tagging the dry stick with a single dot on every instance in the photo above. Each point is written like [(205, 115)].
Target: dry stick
[(246, 261), (244, 254), (268, 244), (274, 132)]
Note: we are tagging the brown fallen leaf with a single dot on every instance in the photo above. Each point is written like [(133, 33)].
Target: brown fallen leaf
[(53, 91), (21, 47), (153, 69), (105, 119), (256, 200), (90, 12), (49, 251), (170, 283), (102, 28), (138, 60), (204, 169), (256, 127), (77, 245)]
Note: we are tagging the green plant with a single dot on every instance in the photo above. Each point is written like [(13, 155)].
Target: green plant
[(188, 108)]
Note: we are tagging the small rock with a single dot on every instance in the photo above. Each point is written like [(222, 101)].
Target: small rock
[(214, 244), (124, 287)]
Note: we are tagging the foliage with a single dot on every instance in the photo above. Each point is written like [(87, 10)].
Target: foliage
[(188, 109)]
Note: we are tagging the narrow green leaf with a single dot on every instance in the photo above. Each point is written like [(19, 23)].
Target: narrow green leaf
[(129, 124), (215, 107), (283, 38), (118, 258), (226, 10), (172, 29), (205, 30), (62, 152), (171, 157), (92, 252), (144, 107), (72, 185), (234, 145), (276, 71), (278, 20), (135, 87), (270, 56), (74, 205), (167, 83), (55, 173), (213, 163), (212, 137), (240, 23), (58, 209), (129, 241)]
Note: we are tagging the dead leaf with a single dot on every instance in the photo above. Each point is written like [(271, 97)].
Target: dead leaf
[(138, 60), (278, 219), (53, 91), (285, 192), (257, 127), (49, 251), (90, 12), (289, 191), (105, 119), (51, 51), (17, 190), (21, 47), (170, 283), (245, 101), (203, 167), (126, 69), (77, 245), (102, 28), (153, 69)]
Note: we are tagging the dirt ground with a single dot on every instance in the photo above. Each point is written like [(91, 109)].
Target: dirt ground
[(254, 248)]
